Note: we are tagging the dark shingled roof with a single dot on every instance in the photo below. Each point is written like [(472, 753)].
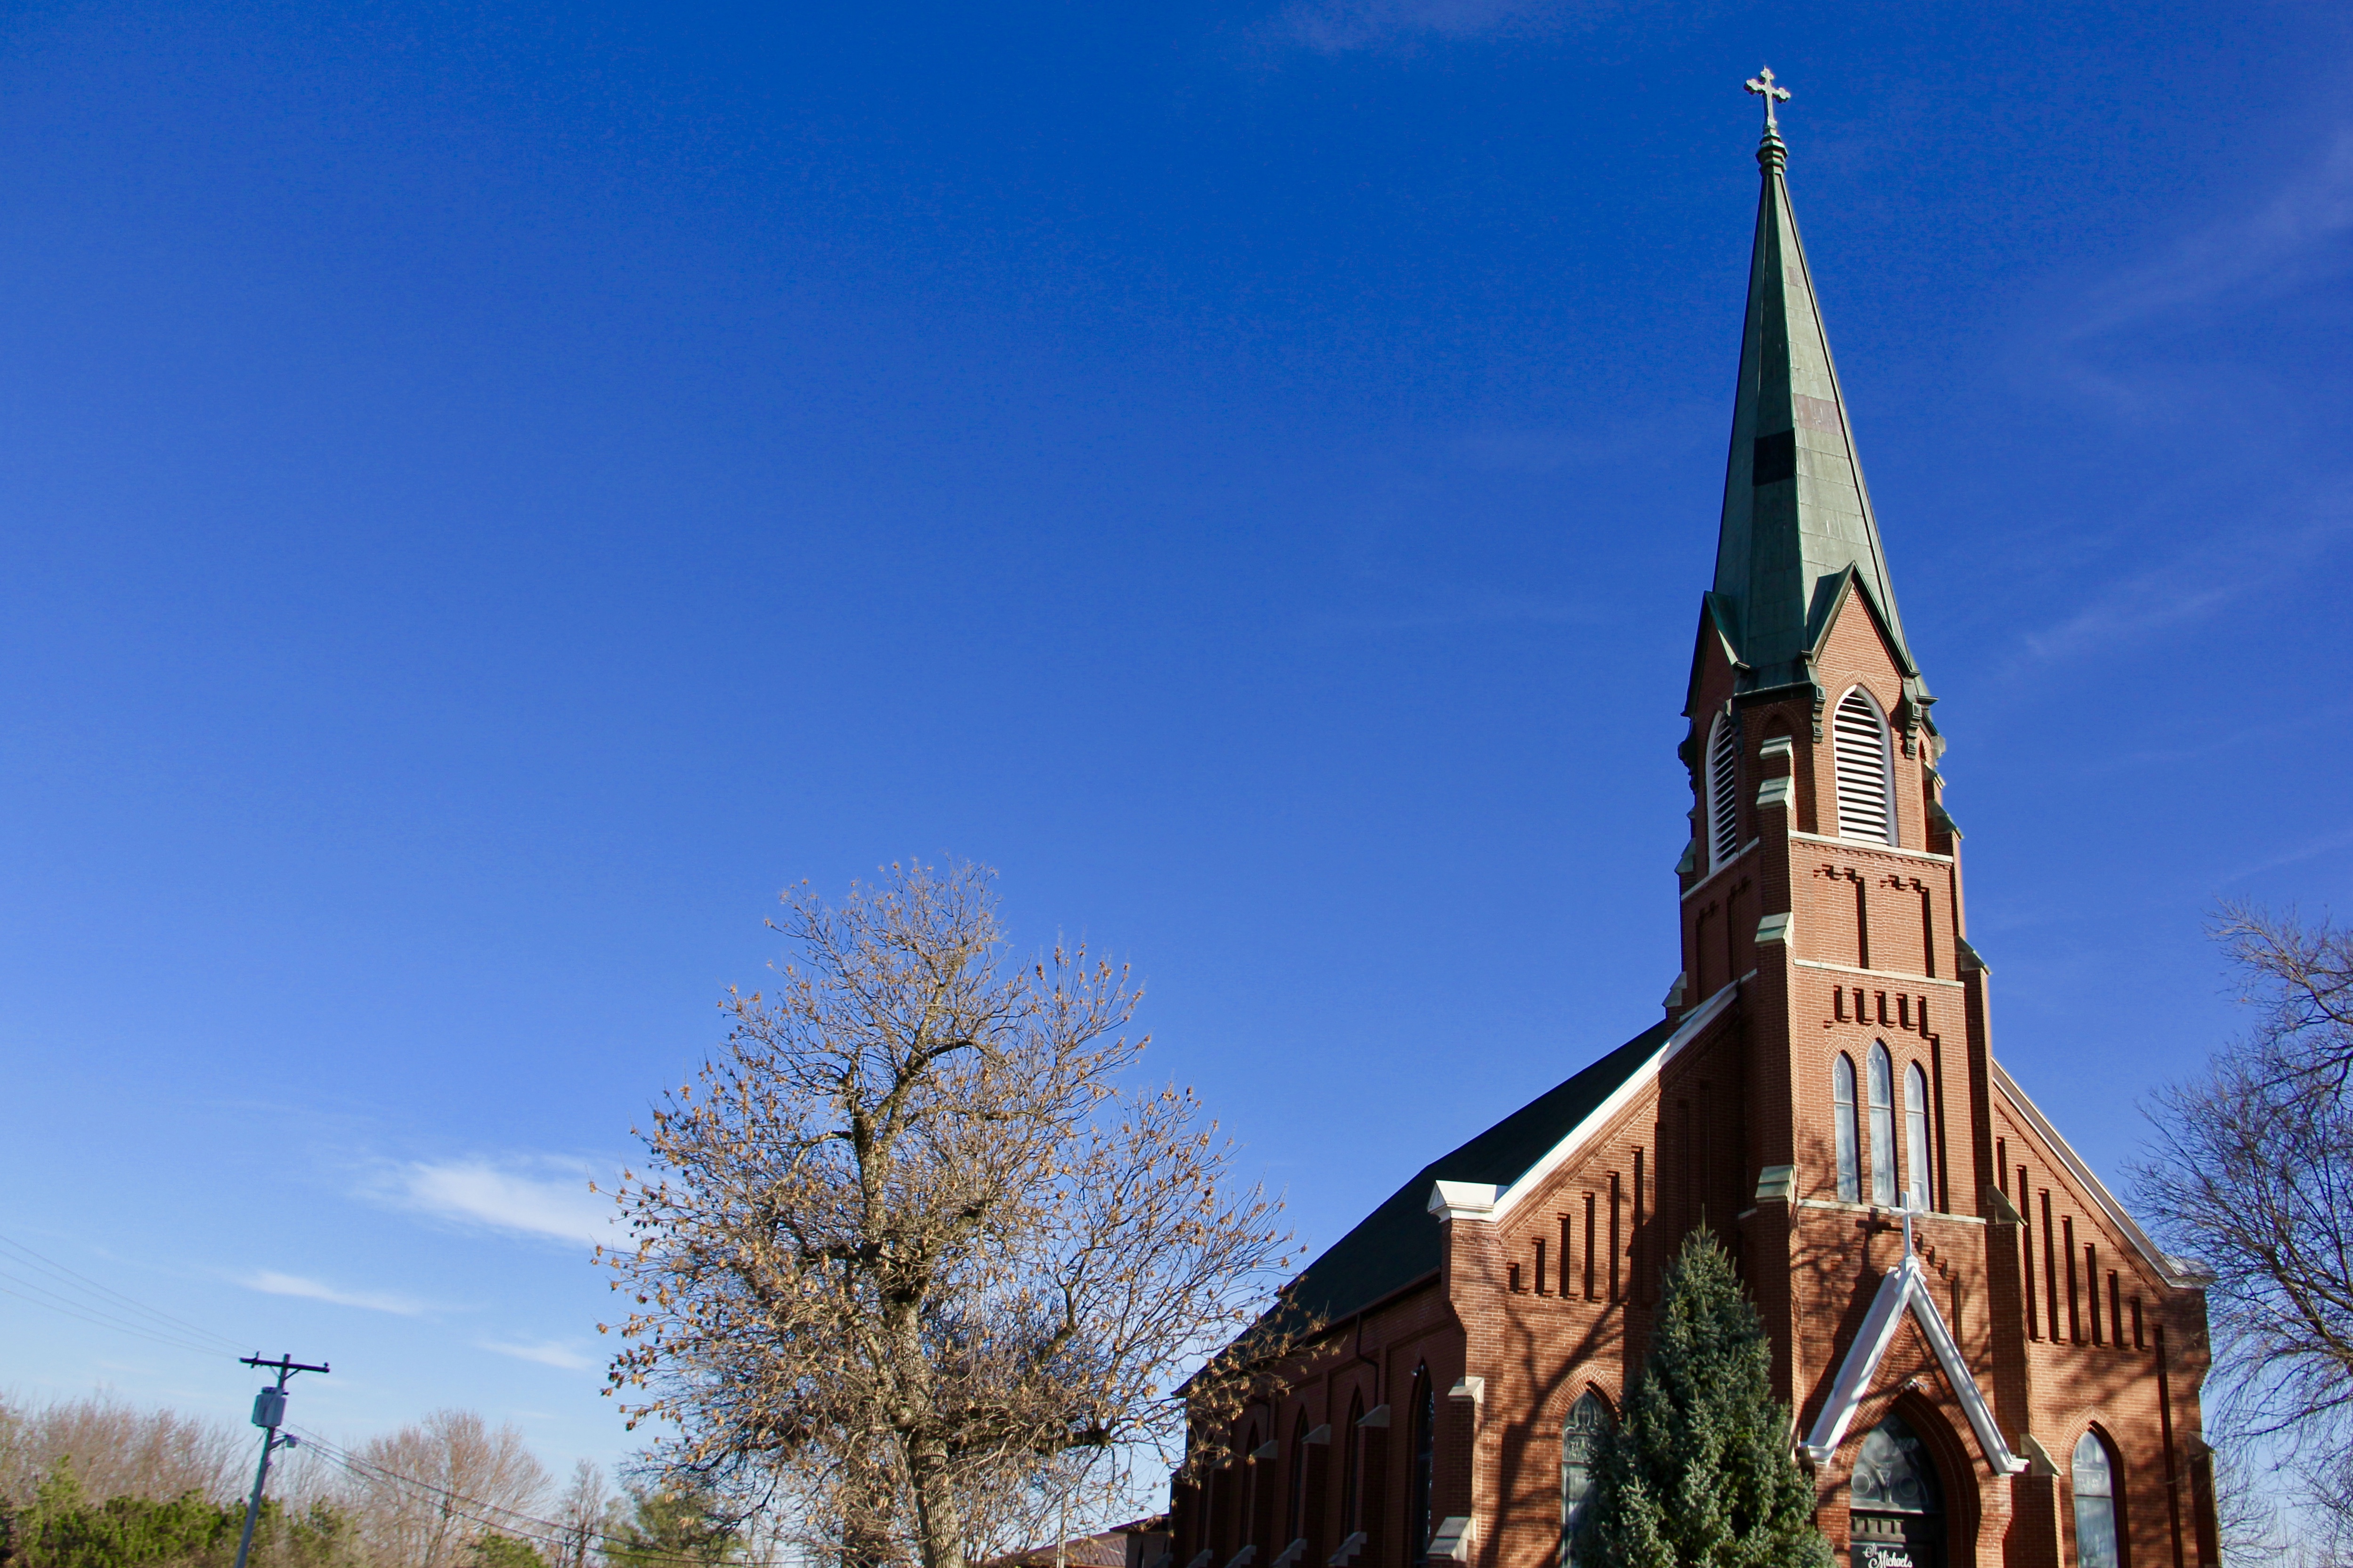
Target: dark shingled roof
[(1397, 1244)]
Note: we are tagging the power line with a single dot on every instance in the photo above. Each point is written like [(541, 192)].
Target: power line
[(546, 1531), (84, 1315), (52, 1267), (110, 1303)]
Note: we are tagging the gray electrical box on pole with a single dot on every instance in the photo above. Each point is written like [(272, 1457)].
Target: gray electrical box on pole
[(269, 1414)]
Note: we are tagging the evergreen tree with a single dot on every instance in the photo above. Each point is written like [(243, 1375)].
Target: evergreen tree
[(1700, 1474), (683, 1522), (63, 1529)]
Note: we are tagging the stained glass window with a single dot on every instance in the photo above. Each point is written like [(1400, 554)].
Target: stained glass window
[(2096, 1504), (1580, 1451), (1849, 1179), (1882, 1127), (1920, 1189)]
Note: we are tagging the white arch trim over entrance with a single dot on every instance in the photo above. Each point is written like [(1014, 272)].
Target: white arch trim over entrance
[(1907, 1286)]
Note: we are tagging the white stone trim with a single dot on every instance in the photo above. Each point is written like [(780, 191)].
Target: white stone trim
[(1907, 1285), (1693, 1024), (2178, 1272), (1463, 1200), (1719, 870), (1880, 974), (1871, 846)]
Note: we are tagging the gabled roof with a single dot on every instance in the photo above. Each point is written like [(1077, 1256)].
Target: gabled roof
[(2182, 1273), (1906, 1286), (1795, 510), (1398, 1244)]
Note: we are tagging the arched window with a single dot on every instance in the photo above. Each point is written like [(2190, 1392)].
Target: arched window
[(1425, 1456), (1850, 1171), (1352, 1462), (1723, 791), (1867, 782), (1295, 1512), (1882, 1126), (2096, 1504), (1920, 1190), (1580, 1451), (1896, 1503)]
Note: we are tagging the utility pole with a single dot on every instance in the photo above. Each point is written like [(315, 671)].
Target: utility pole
[(269, 1414)]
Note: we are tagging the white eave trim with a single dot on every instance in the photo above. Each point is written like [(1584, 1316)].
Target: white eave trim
[(1907, 1285), (2174, 1272), (1463, 1200), (1500, 1202)]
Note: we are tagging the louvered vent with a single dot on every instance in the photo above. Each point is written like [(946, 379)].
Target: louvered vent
[(1723, 791), (1862, 742)]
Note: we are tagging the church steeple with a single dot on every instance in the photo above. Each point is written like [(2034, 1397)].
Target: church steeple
[(1798, 532)]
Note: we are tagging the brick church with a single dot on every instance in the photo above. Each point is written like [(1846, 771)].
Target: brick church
[(1990, 1363)]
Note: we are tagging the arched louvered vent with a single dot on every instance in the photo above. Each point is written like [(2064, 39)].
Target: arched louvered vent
[(1723, 791), (1862, 769)]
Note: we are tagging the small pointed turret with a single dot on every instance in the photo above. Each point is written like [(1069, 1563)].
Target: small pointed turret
[(1798, 525)]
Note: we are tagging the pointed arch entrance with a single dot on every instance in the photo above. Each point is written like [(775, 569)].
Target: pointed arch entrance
[(1896, 1505)]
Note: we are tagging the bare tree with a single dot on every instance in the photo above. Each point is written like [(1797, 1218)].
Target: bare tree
[(425, 1494), (2252, 1172), (582, 1511), (119, 1450), (2299, 975), (909, 1238)]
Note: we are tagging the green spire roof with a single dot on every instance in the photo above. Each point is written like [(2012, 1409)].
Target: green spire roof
[(1798, 527)]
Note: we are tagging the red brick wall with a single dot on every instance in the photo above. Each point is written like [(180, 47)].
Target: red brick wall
[(1872, 955)]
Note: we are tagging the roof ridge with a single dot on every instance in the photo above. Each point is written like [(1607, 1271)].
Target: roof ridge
[(1398, 1243)]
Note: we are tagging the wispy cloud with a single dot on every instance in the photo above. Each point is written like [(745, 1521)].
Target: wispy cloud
[(2302, 233), (2312, 849), (534, 1195), (270, 1282), (546, 1352), (1341, 27), (2187, 587)]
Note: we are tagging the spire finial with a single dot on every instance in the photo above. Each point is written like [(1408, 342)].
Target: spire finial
[(1762, 85), (1770, 153)]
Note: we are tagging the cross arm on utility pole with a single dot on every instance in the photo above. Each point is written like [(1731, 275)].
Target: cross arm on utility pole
[(269, 1414)]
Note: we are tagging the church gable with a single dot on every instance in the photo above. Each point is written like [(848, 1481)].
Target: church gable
[(1956, 1304), (1400, 1244), (2091, 1275), (1586, 1221)]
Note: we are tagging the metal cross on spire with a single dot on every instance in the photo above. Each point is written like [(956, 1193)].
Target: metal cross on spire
[(1762, 85)]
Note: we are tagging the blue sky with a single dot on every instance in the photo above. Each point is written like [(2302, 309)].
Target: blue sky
[(492, 494)]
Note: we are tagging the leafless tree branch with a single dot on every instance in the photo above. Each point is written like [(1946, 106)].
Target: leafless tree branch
[(907, 1241)]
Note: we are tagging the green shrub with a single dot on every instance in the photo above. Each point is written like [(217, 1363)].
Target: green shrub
[(1699, 1472)]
